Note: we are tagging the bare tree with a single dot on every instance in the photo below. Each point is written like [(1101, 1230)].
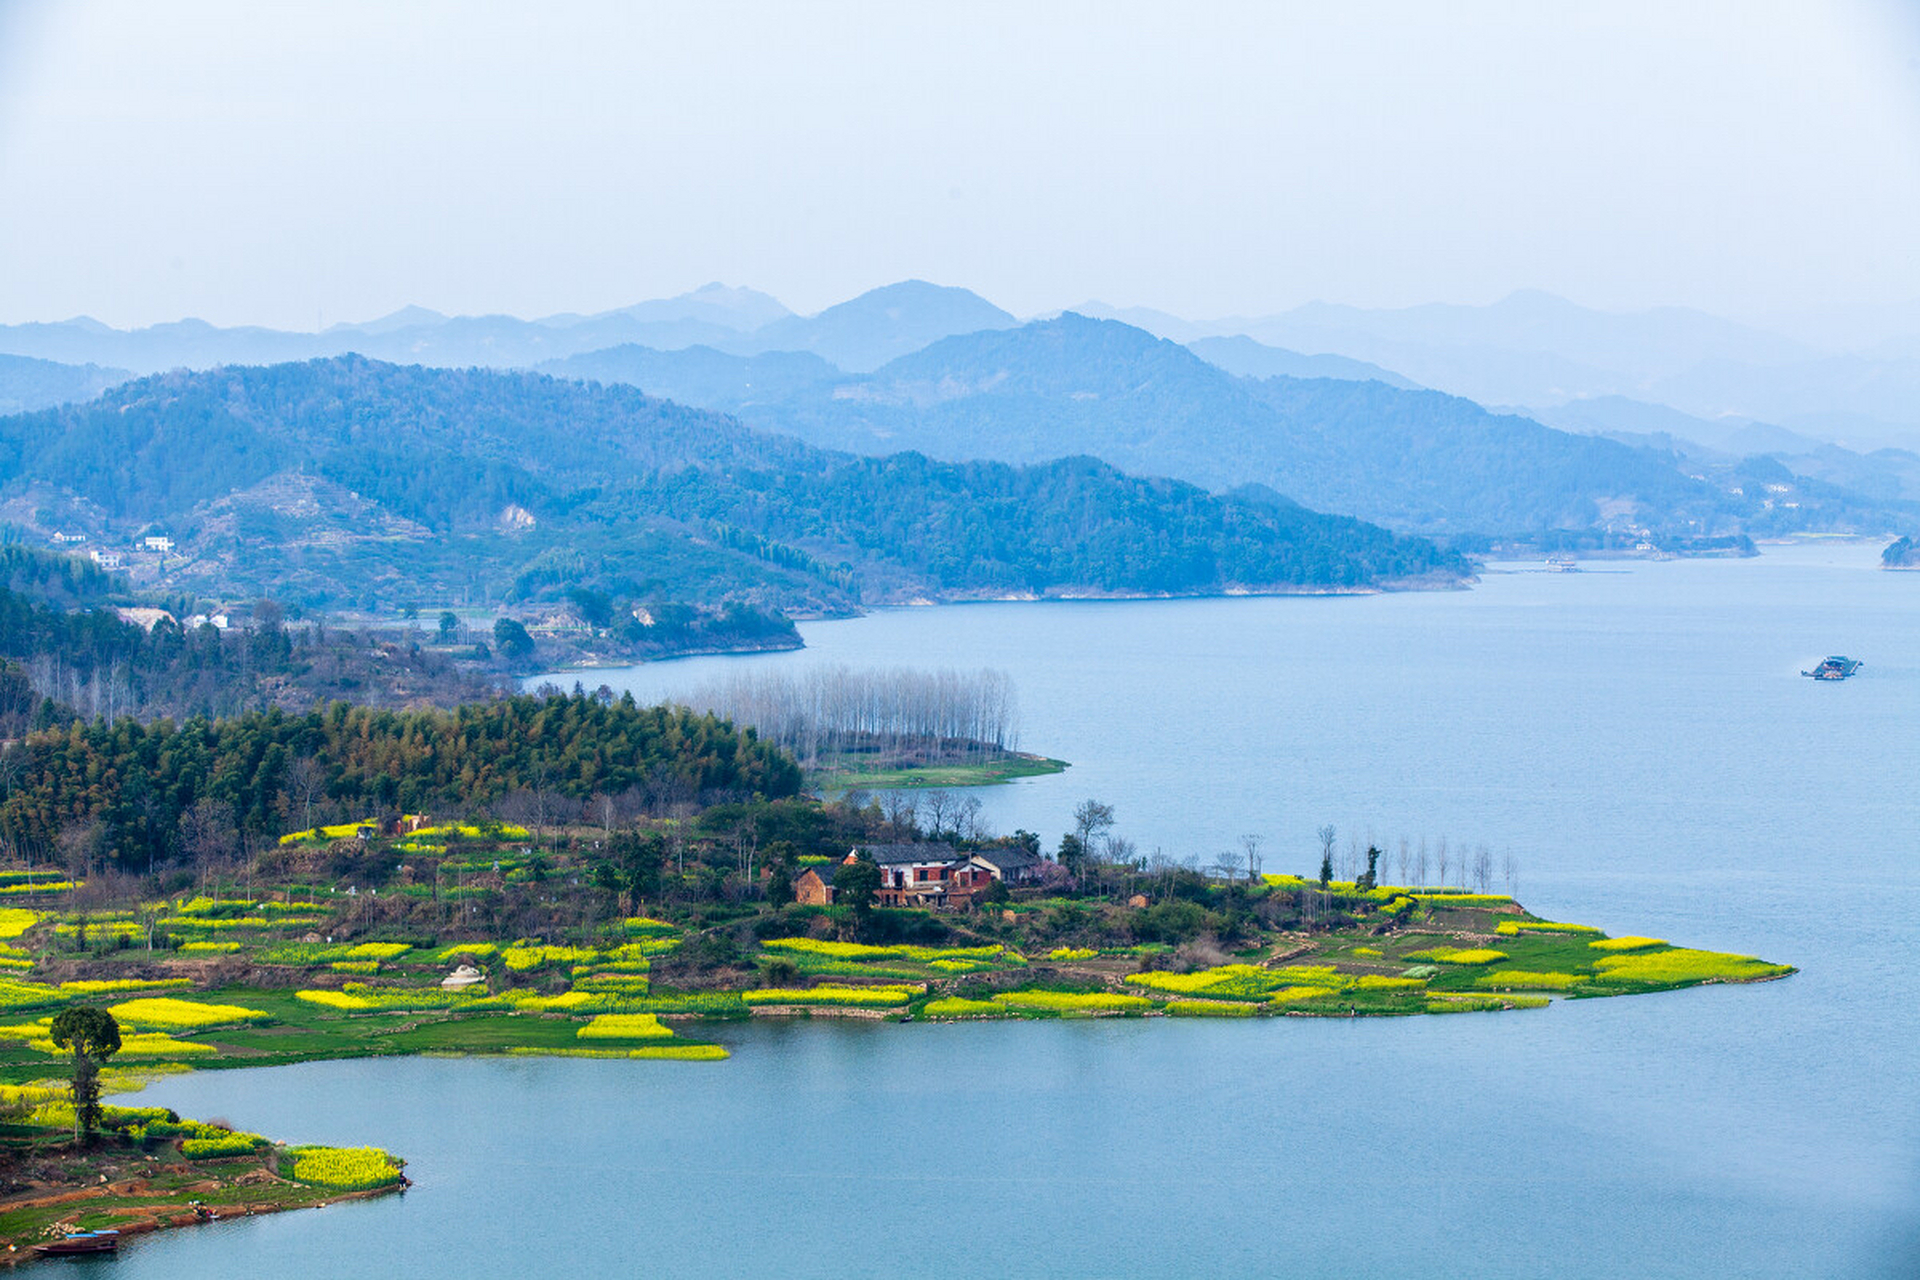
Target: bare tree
[(902, 809), (966, 819), (940, 808), (1441, 856), (829, 710), (1091, 821), (1510, 871), (1251, 844), (1402, 860), (1327, 835), (1420, 864), (305, 782), (1482, 868)]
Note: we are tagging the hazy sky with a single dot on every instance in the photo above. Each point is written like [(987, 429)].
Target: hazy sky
[(282, 163)]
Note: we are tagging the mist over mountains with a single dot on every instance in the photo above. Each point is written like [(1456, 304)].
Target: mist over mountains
[(1624, 421)]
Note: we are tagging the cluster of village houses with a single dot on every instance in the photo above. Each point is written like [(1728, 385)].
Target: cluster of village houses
[(932, 875)]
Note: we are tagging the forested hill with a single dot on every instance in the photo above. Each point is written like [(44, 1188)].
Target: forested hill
[(1402, 457), (350, 482)]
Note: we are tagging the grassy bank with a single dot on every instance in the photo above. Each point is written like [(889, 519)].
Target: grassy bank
[(149, 1170), (846, 775)]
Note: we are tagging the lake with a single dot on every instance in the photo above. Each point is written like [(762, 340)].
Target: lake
[(1639, 737)]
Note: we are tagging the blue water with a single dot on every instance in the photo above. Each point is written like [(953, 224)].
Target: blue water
[(1640, 739)]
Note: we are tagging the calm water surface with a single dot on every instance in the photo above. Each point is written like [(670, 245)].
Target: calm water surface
[(1640, 738)]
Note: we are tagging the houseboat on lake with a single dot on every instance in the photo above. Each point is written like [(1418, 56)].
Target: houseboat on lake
[(1837, 667)]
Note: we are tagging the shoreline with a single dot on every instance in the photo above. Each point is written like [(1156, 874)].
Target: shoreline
[(132, 1188)]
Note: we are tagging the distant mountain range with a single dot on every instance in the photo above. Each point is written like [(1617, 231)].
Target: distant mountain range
[(26, 383), (1674, 398), (351, 482), (1534, 349), (859, 334), (1404, 457)]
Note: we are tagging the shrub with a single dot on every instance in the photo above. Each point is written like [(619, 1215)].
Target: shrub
[(41, 886), (1458, 955), (955, 1007), (830, 995), (169, 1014), (139, 1045), (1433, 898), (1682, 966), (1241, 981), (359, 998), (1524, 978), (1376, 982), (232, 1144), (344, 1168), (15, 921), (1073, 1002), (636, 984), (1316, 975), (624, 1026), (1512, 928), (680, 1052), (523, 958), (478, 950), (863, 951), (1209, 1009), (378, 950)]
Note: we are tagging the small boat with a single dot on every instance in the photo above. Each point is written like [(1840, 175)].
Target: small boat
[(78, 1243), (1837, 667), (1562, 564)]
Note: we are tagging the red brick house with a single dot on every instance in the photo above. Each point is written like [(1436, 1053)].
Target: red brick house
[(813, 887)]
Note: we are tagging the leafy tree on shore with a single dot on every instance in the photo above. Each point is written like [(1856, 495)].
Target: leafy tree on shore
[(512, 639), (856, 883), (92, 1036)]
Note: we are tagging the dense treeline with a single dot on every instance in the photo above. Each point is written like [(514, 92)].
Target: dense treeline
[(55, 578), (987, 527), (830, 710), (136, 796), (90, 663)]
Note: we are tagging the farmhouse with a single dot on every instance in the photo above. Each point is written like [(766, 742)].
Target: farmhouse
[(813, 887), (913, 875), (938, 875), (1012, 865)]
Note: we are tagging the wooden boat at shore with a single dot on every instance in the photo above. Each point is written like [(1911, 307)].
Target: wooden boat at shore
[(79, 1244), (1837, 667)]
